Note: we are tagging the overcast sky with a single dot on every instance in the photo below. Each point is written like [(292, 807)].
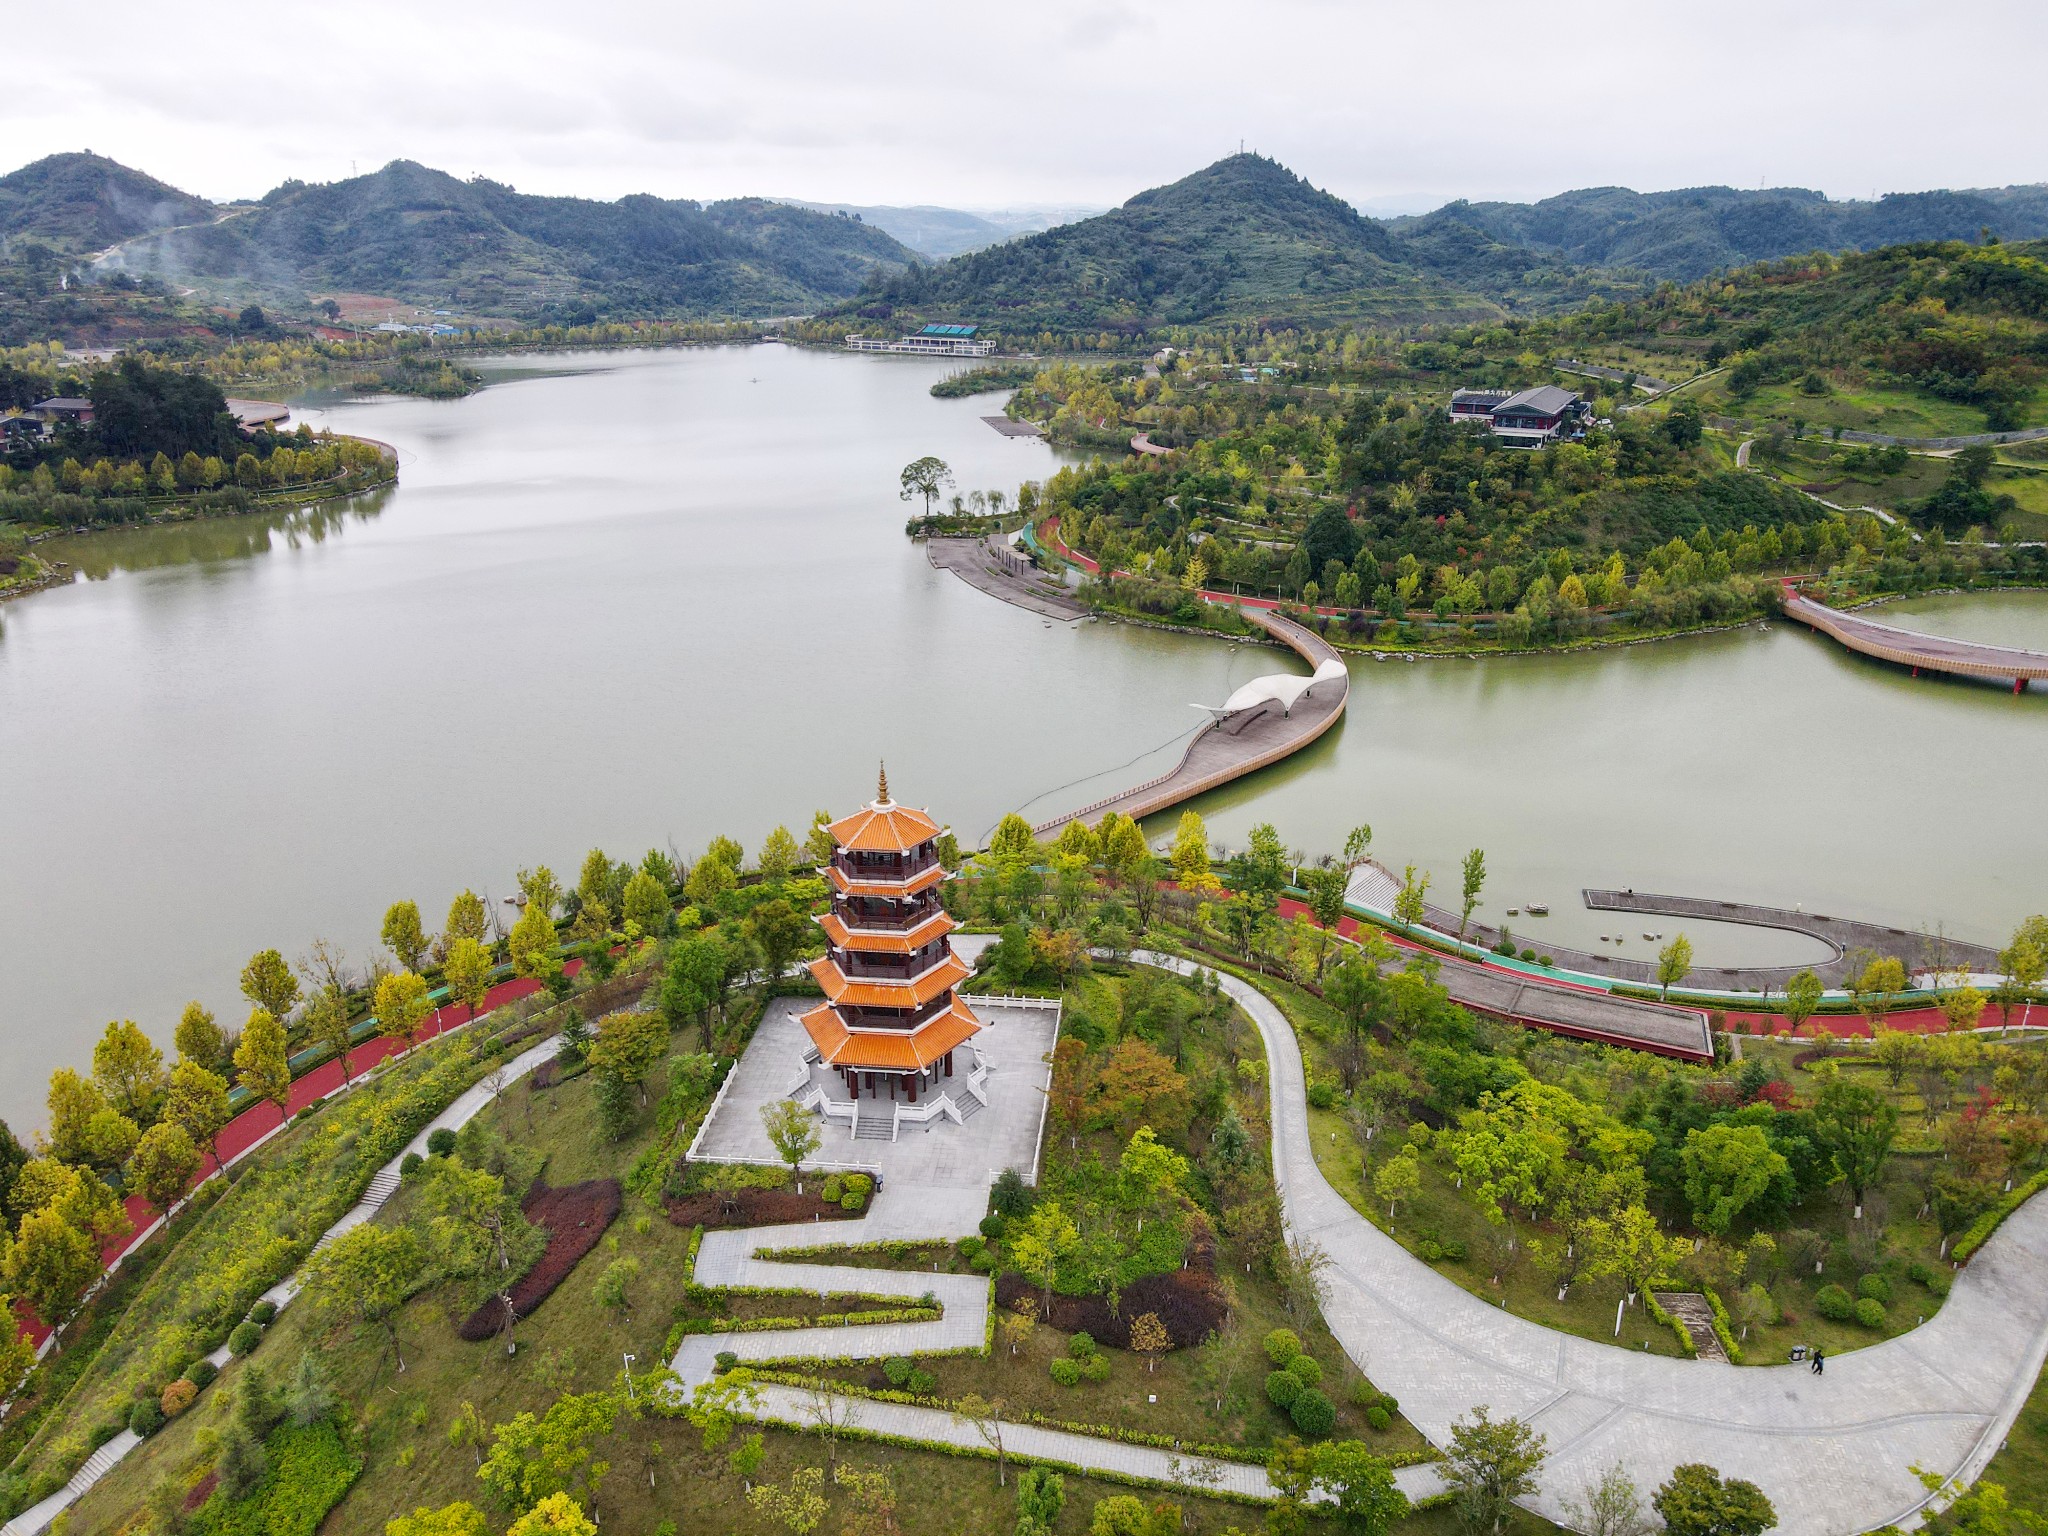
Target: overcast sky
[(1054, 101)]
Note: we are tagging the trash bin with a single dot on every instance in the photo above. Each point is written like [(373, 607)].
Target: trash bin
[(1798, 1352)]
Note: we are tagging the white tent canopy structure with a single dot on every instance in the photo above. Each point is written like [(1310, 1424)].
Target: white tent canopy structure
[(1282, 688)]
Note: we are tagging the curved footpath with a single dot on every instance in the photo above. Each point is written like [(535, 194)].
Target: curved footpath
[(1835, 1453), (1921, 652)]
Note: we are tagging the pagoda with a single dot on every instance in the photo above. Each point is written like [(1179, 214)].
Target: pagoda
[(891, 1019)]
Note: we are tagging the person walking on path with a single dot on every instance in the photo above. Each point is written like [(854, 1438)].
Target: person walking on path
[(1819, 1363)]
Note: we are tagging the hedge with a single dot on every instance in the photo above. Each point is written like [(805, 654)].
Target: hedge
[(1678, 1330), (311, 1467), (1989, 1222), (1722, 1329), (701, 1325)]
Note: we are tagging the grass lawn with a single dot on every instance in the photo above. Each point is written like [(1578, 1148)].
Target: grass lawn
[(1826, 468), (2021, 1465), (1862, 408)]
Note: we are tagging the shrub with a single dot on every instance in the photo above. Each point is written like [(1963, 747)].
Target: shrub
[(1388, 1402), (831, 1192), (177, 1397), (1322, 1094), (852, 1202), (1066, 1372), (201, 1373), (244, 1339), (1282, 1345), (897, 1369), (1011, 1196), (992, 1227), (970, 1246), (1938, 1283), (1528, 954), (858, 1184), (1081, 1345), (1834, 1303), (1095, 1368), (410, 1164), (264, 1313), (1313, 1414), (1874, 1288), (1870, 1312), (440, 1142), (725, 1360), (1378, 1418), (1544, 960), (1429, 1250), (1305, 1369), (146, 1418), (983, 1259), (1282, 1388), (922, 1383)]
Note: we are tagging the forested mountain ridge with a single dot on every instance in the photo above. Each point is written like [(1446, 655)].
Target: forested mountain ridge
[(1244, 237), (80, 203), (422, 235), (1689, 233)]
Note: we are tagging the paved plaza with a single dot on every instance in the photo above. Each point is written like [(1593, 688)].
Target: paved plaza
[(1016, 1044)]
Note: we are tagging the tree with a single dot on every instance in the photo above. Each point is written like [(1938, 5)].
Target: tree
[(1728, 1169), (1139, 1086), (1611, 1507), (538, 887), (791, 1131), (628, 1047), (779, 931), (466, 919), (199, 1039), (268, 983), (1412, 904), (364, 1276), (533, 1459), (645, 905), (1150, 1338), (926, 477), (1357, 845), (1855, 1125), (467, 971), (262, 1064), (197, 1102), (327, 1023), (401, 1005), (531, 944), (1897, 1052), (1962, 1007), (1695, 1501), (1190, 856), (1802, 996), (1016, 1324), (693, 982), (780, 854), (475, 1222), (163, 1165), (1877, 986), (1399, 1178), (1358, 1486), (1489, 1465), (1041, 1495), (871, 1495), (51, 1263), (986, 1415), (555, 1515), (457, 1519), (1048, 1236), (1674, 960), (800, 1504), (1474, 878), (402, 934), (128, 1069)]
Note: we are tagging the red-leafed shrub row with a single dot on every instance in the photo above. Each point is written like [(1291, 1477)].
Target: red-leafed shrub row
[(752, 1208), (574, 1218), (1188, 1301)]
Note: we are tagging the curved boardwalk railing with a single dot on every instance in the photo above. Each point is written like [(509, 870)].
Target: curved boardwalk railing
[(1907, 648), (1219, 754)]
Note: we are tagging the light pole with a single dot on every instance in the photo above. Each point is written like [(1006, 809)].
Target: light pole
[(629, 1376)]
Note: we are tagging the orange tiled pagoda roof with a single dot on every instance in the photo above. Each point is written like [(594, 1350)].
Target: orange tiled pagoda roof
[(923, 880), (886, 941), (882, 826), (888, 1050), (874, 992)]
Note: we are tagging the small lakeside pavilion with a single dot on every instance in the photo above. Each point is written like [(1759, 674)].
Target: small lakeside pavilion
[(891, 1020)]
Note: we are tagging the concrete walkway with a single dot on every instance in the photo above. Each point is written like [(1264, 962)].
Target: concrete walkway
[(1835, 1453)]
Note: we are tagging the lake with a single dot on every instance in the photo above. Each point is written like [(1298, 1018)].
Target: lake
[(639, 599)]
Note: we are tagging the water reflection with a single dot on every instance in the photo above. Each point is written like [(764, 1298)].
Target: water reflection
[(97, 556)]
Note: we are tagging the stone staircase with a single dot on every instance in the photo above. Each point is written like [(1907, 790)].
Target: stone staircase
[(968, 1105), (875, 1120), (1691, 1308)]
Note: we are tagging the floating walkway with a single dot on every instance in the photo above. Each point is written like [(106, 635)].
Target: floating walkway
[(1908, 648), (1247, 733)]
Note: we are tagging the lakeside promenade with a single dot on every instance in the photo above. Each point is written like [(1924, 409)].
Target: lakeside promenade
[(1916, 651)]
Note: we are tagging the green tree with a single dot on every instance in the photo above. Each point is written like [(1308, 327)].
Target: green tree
[(532, 1459), (1013, 845), (1047, 1238), (1474, 879), (327, 1024), (555, 1515), (1190, 856), (780, 854), (1802, 996), (402, 934), (1357, 845), (531, 944), (711, 879), (800, 1504), (269, 984), (1399, 1178), (457, 1519), (1728, 1169), (129, 1070), (694, 982), (401, 1005), (73, 1103), (1674, 960), (791, 1131), (819, 844), (1412, 904), (1877, 987), (778, 930), (200, 1039), (646, 905), (198, 1102), (364, 1276), (163, 1165), (262, 1063), (538, 887), (467, 971), (1855, 1125), (466, 919), (50, 1264), (628, 1047), (1357, 1487), (926, 477), (1490, 1464), (1041, 1495), (1260, 872), (1695, 1501)]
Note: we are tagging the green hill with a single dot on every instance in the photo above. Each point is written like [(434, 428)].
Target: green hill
[(86, 202), (1688, 233), (422, 235), (1243, 238)]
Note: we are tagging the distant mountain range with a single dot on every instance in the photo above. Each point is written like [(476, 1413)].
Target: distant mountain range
[(1244, 238)]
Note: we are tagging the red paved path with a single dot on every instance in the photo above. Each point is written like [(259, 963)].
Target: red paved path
[(241, 1134)]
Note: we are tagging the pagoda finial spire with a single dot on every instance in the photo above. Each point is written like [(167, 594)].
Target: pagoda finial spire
[(882, 794)]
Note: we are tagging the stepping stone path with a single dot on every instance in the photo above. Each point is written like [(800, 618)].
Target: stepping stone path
[(1692, 1309)]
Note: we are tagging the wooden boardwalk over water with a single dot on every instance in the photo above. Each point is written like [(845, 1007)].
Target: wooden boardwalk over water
[(1909, 648), (1236, 746)]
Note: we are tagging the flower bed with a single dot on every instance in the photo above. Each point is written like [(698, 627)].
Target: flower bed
[(752, 1208), (311, 1467), (1188, 1301), (574, 1217)]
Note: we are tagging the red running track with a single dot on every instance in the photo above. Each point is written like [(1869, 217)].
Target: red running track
[(246, 1131)]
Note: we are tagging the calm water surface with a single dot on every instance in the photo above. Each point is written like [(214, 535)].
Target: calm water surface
[(635, 599)]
